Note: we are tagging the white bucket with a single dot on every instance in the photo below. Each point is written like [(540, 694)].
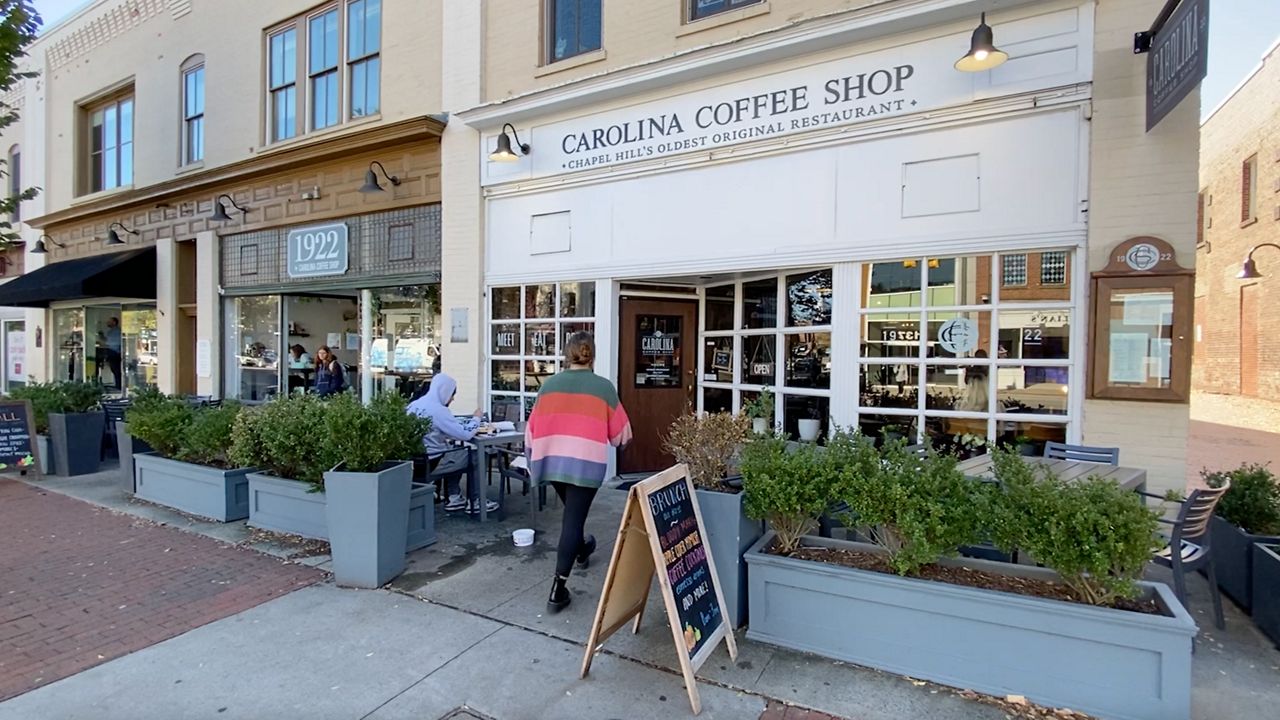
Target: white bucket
[(522, 537)]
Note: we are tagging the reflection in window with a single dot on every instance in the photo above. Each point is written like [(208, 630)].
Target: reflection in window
[(256, 338), (760, 304), (758, 362), (68, 338), (809, 299), (573, 28), (809, 360), (406, 337)]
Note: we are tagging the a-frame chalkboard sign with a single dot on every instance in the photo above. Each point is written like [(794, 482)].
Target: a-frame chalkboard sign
[(662, 530), (18, 447)]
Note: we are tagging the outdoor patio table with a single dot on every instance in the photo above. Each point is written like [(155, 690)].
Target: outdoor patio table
[(479, 447), (980, 467)]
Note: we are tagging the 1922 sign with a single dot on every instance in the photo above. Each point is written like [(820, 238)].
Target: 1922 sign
[(318, 251)]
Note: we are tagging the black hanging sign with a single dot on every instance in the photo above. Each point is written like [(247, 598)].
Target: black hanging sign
[(1178, 58)]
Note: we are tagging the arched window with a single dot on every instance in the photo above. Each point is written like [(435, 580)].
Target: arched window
[(193, 109), (14, 167)]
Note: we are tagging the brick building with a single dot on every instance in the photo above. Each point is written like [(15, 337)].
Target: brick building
[(1239, 204)]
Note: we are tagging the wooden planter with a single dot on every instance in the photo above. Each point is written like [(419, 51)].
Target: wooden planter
[(1106, 662), (221, 495)]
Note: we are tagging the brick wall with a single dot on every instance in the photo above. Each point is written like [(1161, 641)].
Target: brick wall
[(1237, 335)]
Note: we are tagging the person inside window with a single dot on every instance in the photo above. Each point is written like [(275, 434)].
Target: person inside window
[(445, 456), (330, 378), (974, 396), (299, 358), (108, 351)]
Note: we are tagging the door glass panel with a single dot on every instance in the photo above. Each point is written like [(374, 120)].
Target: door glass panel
[(257, 346), (68, 341), (658, 351), (105, 364), (15, 343), (406, 338), (138, 323)]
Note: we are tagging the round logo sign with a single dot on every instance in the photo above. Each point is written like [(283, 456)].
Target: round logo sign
[(958, 336), (1142, 257)]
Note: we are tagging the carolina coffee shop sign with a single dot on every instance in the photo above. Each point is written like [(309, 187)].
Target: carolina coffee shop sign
[(874, 86)]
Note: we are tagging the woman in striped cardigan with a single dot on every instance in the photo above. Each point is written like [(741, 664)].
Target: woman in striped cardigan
[(575, 420)]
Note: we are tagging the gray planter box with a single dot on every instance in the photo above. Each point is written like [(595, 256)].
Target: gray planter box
[(1233, 560), (77, 442), (1266, 590), (126, 447), (221, 495), (422, 517), (1105, 662), (286, 506), (368, 515), (729, 534)]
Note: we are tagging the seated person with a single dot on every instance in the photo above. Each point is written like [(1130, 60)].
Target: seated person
[(299, 358), (434, 404)]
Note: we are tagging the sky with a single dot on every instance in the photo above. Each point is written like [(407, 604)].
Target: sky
[(1239, 32)]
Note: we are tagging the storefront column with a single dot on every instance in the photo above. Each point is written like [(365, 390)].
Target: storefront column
[(846, 291), (37, 325), (167, 315), (366, 346), (607, 338), (208, 315)]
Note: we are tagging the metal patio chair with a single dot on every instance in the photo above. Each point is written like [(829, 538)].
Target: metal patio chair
[(1181, 555), (511, 467), (114, 410), (1082, 453)]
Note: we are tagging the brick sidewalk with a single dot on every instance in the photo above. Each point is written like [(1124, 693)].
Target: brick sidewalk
[(80, 585)]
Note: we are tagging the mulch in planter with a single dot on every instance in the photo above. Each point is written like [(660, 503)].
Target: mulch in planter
[(961, 576)]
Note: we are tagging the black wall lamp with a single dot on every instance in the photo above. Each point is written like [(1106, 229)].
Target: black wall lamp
[(1249, 269), (983, 53), (220, 211), (40, 247), (503, 152), (371, 184), (113, 238)]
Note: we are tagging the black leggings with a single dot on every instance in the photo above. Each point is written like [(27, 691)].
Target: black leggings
[(577, 503)]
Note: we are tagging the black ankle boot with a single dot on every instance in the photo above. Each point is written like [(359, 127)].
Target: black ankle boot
[(559, 598), (584, 551)]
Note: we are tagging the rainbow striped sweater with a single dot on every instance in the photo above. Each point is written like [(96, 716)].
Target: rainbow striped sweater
[(576, 418)]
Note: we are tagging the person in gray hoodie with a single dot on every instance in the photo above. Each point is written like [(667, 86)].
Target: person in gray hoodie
[(444, 456)]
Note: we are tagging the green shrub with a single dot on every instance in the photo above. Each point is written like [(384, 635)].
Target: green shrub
[(301, 437), (706, 443), (161, 422), (760, 407), (918, 509), (44, 397), (80, 397), (788, 488), (207, 439), (1097, 535), (1253, 502)]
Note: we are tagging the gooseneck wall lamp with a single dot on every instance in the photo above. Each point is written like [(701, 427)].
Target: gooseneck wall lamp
[(1249, 268), (503, 152), (371, 184), (40, 247), (983, 53), (220, 211), (113, 238)]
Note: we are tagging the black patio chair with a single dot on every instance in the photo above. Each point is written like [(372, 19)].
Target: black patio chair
[(511, 467), (1181, 554), (114, 410), (1082, 453)]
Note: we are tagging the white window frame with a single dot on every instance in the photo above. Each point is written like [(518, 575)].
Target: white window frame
[(114, 103), (193, 140)]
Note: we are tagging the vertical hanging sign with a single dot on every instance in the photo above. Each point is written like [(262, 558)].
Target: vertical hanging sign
[(1178, 59)]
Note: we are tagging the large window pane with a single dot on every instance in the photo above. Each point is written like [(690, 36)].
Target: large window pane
[(760, 304), (888, 335), (892, 284), (506, 339), (506, 375), (809, 299), (806, 418), (890, 385), (540, 339), (809, 360), (506, 303), (959, 334), (759, 364), (257, 343), (68, 338), (717, 400), (1039, 390), (888, 427), (719, 308), (1035, 334), (717, 360), (577, 300), (540, 301)]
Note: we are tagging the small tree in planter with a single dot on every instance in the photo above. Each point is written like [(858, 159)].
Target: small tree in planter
[(189, 468), (1248, 513), (75, 423), (788, 488), (707, 444), (760, 410)]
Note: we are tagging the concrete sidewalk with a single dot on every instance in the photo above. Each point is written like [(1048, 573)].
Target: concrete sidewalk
[(485, 609)]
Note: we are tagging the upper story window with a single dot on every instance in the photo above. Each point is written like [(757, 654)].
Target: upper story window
[(339, 47), (1249, 190), (193, 110), (699, 9), (1013, 270), (573, 28), (110, 133), (1053, 267), (15, 182)]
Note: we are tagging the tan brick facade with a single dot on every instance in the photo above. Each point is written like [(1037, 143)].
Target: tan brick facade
[(1236, 332)]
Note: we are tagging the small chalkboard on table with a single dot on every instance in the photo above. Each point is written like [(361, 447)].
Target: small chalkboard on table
[(662, 530), (18, 447)]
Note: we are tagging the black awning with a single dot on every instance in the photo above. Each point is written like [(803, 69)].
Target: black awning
[(128, 274)]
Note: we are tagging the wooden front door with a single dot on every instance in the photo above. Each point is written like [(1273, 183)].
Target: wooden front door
[(656, 380)]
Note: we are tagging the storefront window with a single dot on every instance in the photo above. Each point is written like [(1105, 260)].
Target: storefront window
[(255, 336), (528, 327), (68, 344), (405, 352), (139, 346), (15, 353), (961, 360), (793, 360)]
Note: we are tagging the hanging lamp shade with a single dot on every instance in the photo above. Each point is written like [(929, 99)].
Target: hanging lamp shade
[(983, 53)]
